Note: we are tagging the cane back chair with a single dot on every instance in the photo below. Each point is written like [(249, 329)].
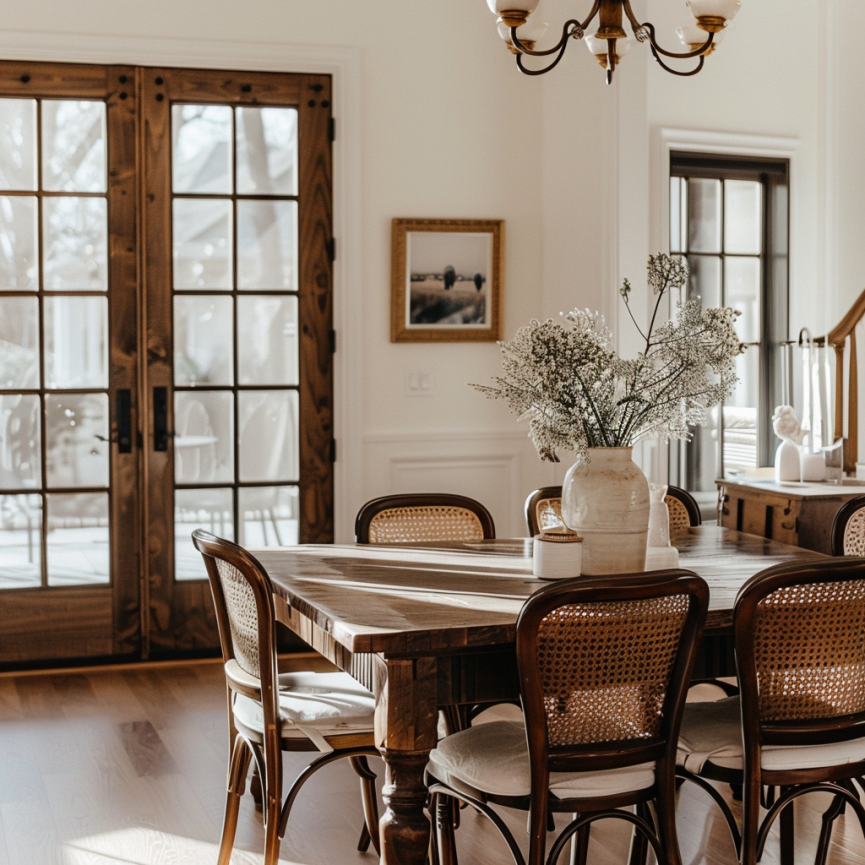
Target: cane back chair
[(269, 713), (799, 724), (603, 665), (419, 517), (848, 529), (544, 509)]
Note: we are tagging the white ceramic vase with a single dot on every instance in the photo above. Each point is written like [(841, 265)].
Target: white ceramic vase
[(606, 499)]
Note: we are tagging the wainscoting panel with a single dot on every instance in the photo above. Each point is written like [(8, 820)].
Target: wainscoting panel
[(497, 469)]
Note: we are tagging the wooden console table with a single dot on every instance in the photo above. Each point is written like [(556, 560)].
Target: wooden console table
[(800, 514)]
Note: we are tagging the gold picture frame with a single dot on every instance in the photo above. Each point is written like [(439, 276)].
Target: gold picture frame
[(446, 280)]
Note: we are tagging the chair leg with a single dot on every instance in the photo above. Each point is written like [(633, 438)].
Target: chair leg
[(444, 829), (579, 844), (255, 789), (272, 798), (370, 803), (639, 846), (237, 769), (830, 815)]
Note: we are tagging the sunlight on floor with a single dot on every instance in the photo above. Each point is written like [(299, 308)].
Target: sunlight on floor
[(141, 846)]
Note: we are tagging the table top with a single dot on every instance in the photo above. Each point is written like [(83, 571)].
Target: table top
[(430, 598)]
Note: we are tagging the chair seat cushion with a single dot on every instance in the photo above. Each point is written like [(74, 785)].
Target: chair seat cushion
[(314, 705), (494, 758), (713, 732)]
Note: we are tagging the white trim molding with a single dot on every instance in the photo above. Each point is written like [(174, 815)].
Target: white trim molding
[(344, 65), (665, 141)]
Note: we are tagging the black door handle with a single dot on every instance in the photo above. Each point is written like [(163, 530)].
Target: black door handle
[(160, 419), (122, 436)]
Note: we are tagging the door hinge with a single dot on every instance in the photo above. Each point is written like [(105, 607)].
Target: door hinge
[(331, 249), (331, 130), (333, 450), (332, 339)]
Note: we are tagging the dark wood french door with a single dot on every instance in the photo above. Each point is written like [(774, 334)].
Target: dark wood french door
[(165, 344)]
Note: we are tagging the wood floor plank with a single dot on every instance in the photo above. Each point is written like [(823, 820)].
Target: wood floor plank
[(71, 793)]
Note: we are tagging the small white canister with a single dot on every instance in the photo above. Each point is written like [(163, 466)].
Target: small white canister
[(557, 555)]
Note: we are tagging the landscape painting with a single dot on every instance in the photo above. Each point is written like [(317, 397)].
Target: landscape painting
[(446, 280)]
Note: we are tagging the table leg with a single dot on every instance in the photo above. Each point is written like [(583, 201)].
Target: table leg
[(406, 719)]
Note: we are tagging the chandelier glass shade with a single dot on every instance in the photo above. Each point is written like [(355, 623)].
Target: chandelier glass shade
[(521, 31)]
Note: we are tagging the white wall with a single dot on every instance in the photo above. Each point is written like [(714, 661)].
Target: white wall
[(447, 127)]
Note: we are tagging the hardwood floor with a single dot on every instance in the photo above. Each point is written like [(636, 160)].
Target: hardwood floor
[(126, 766)]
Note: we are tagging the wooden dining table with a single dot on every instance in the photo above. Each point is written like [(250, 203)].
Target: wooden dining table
[(431, 626)]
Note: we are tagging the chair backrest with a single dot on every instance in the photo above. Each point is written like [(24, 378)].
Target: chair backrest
[(604, 666), (543, 508), (683, 508), (545, 503), (420, 517), (800, 654), (243, 598), (848, 529)]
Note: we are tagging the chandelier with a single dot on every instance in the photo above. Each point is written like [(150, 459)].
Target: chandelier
[(609, 43)]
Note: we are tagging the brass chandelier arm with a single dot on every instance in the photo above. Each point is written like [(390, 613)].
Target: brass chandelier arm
[(570, 30), (694, 71), (656, 49), (564, 45)]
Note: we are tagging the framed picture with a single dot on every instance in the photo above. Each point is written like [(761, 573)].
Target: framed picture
[(446, 280)]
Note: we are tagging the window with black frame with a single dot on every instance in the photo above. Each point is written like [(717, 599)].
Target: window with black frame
[(729, 217)]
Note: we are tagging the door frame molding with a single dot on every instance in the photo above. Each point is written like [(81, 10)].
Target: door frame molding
[(344, 65)]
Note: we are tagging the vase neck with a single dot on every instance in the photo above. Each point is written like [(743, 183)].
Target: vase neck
[(610, 455)]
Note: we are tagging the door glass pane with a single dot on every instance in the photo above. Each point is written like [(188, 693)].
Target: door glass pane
[(268, 435), (76, 342), (267, 339), (267, 245), (704, 282), (267, 151), (73, 146), (19, 342), (204, 444), (18, 144), (210, 509), (201, 148), (704, 215), (75, 243), (20, 541), (202, 243), (19, 265), (75, 428), (78, 546), (743, 217), (742, 292), (203, 340), (20, 442), (268, 516)]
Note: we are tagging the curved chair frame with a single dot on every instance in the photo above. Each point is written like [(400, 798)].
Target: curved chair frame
[(842, 519), (539, 496), (545, 758), (265, 750), (758, 731), (375, 507)]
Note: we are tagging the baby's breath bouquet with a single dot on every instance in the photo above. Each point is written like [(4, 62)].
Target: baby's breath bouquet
[(578, 393)]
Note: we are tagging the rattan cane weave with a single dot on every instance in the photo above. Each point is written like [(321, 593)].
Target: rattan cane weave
[(619, 695), (854, 534), (406, 525), (242, 616), (809, 644), (679, 517)]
